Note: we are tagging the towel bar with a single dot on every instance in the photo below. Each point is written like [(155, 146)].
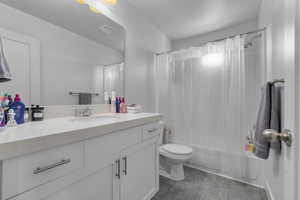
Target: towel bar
[(77, 93), (272, 135), (278, 81)]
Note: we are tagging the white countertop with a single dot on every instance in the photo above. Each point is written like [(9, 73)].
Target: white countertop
[(35, 136)]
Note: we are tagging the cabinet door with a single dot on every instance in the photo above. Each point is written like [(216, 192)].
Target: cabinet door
[(101, 185), (140, 175)]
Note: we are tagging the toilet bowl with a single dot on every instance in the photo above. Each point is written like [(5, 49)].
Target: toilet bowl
[(172, 157)]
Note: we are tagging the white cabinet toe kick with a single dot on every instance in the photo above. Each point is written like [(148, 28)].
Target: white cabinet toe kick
[(122, 165)]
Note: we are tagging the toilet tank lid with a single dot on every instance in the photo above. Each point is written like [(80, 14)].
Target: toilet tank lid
[(177, 149)]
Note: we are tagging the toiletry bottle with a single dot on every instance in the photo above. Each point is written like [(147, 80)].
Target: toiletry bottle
[(120, 102), (1, 97), (10, 100), (37, 113), (19, 109), (2, 118), (125, 106), (122, 105), (106, 98), (11, 115), (118, 105), (113, 102), (27, 114), (5, 101)]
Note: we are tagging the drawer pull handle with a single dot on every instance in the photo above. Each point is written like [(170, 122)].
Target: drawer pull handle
[(152, 130), (39, 170)]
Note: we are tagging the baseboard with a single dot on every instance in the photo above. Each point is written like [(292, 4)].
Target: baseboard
[(224, 176), (269, 191)]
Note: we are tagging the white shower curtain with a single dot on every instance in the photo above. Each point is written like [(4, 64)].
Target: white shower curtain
[(201, 92)]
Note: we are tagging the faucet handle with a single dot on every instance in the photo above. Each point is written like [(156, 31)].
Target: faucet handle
[(88, 111), (83, 112)]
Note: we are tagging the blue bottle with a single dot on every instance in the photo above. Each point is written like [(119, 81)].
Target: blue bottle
[(19, 107), (118, 105)]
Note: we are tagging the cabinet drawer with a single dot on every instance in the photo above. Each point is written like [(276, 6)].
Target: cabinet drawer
[(151, 130), (24, 173)]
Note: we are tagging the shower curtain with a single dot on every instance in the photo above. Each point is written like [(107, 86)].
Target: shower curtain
[(201, 92)]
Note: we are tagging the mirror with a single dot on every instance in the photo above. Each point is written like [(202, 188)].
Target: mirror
[(60, 52)]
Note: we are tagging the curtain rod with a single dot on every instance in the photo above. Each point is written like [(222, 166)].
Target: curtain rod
[(218, 40)]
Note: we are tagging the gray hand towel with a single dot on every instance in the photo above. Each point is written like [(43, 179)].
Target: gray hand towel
[(5, 74), (85, 98), (276, 95), (261, 145)]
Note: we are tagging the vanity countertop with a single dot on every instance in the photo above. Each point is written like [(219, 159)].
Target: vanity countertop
[(36, 136)]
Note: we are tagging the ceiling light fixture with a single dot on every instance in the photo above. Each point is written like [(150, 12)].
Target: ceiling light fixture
[(95, 4), (94, 9), (80, 1), (110, 2), (213, 59)]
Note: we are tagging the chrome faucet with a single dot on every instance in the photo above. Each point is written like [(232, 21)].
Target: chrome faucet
[(83, 112)]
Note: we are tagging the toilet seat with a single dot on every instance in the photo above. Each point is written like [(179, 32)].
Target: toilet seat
[(177, 149)]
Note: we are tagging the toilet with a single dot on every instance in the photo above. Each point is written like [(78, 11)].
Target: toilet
[(172, 157)]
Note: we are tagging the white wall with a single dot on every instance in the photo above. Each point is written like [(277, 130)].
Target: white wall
[(203, 38), (280, 16), (143, 41), (67, 59)]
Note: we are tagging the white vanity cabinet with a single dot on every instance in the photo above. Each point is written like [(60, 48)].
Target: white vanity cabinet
[(122, 165), (139, 179)]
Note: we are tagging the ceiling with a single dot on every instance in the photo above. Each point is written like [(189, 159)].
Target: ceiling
[(185, 18), (74, 17)]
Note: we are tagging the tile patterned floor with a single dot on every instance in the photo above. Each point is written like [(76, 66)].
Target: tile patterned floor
[(199, 185)]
